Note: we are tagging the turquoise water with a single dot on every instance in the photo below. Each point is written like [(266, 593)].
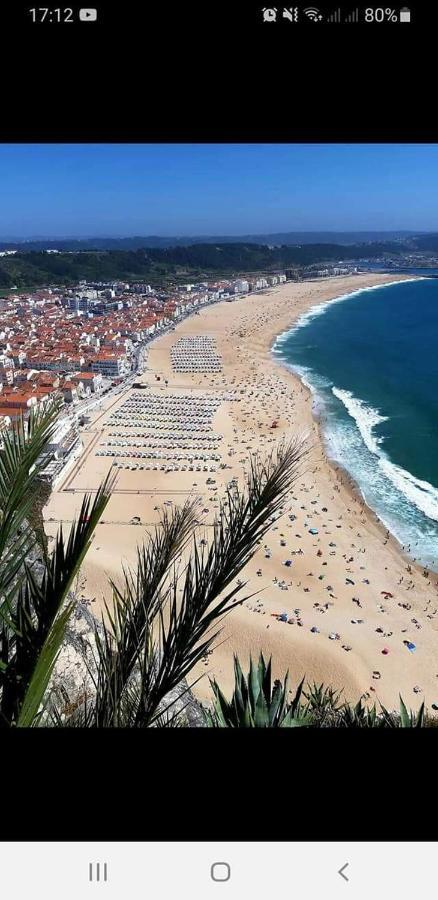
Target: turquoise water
[(371, 361)]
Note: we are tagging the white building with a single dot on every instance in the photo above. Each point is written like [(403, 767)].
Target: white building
[(111, 366), (7, 367), (260, 283)]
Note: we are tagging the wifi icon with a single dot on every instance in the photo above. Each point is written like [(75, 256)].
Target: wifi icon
[(313, 14)]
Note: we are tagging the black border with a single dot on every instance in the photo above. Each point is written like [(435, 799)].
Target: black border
[(218, 785), (197, 72)]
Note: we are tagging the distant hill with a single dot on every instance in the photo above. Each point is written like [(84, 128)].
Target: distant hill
[(289, 238), (427, 242), (157, 265)]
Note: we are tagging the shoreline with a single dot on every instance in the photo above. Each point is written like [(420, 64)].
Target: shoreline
[(347, 559), (347, 478)]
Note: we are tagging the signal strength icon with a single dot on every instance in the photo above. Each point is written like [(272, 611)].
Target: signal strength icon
[(353, 17), (335, 16), (313, 14)]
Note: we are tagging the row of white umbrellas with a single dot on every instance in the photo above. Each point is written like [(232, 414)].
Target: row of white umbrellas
[(174, 468), (190, 457)]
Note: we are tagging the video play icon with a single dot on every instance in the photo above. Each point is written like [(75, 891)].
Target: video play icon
[(87, 15)]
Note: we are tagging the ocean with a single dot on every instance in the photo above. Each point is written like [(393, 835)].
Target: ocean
[(370, 359)]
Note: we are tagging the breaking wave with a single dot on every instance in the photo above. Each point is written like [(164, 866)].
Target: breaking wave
[(366, 418)]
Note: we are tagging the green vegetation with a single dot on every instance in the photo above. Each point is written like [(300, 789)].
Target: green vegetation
[(41, 495), (37, 269), (30, 607), (255, 704), (156, 265)]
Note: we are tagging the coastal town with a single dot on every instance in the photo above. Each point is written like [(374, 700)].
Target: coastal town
[(84, 342), (88, 341)]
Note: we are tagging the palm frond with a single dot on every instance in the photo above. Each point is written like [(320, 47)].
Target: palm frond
[(21, 460), (36, 691), (126, 631), (31, 618), (190, 624)]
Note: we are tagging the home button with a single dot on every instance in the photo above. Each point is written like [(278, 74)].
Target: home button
[(220, 871)]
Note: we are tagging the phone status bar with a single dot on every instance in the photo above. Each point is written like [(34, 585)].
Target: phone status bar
[(312, 14)]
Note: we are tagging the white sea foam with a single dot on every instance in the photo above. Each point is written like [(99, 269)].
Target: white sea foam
[(366, 418), (311, 379), (304, 372), (421, 493)]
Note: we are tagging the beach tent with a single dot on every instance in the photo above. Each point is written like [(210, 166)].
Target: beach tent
[(313, 531)]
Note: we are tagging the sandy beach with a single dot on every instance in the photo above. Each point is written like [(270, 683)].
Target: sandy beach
[(350, 599)]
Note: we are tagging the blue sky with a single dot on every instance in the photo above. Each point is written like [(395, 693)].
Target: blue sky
[(185, 189)]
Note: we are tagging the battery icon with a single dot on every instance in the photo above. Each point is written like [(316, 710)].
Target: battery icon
[(405, 14)]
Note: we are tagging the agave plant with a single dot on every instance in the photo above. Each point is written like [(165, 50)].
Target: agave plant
[(358, 716), (323, 704), (361, 716), (255, 704), (404, 719), (257, 701)]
